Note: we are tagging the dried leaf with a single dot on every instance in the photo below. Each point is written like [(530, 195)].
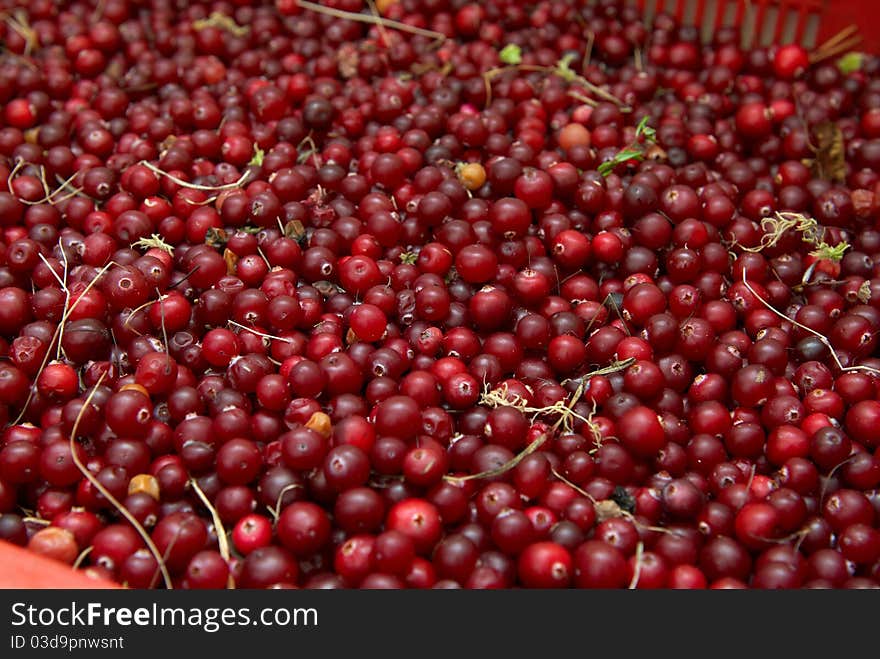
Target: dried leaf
[(607, 509), (830, 160), (295, 230), (215, 237), (231, 259), (624, 499), (326, 288)]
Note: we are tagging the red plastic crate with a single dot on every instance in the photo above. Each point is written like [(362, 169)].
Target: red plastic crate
[(807, 22), (20, 568)]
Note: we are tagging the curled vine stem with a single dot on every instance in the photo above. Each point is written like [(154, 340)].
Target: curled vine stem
[(82, 556), (501, 396), (276, 510), (818, 335), (811, 232)]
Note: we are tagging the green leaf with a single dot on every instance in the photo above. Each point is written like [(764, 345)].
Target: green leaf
[(409, 258), (644, 129), (831, 252), (850, 63), (622, 156), (564, 70), (257, 160), (511, 54)]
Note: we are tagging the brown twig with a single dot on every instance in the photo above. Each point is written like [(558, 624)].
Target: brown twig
[(507, 466), (373, 20), (586, 100), (382, 30), (841, 42)]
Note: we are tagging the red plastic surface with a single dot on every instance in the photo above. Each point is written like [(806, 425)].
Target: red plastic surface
[(808, 22), (20, 568)]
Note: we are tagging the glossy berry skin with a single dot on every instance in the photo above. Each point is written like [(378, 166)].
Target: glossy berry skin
[(545, 565), (180, 536), (303, 528), (790, 61), (641, 432), (417, 519), (251, 532), (599, 565)]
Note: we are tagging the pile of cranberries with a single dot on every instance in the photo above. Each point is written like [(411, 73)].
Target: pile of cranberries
[(293, 300)]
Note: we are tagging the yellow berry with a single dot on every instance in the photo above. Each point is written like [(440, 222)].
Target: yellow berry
[(384, 5), (134, 386), (144, 483), (472, 175), (320, 423)]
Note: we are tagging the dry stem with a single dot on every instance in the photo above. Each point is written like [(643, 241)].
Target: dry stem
[(82, 556), (260, 334), (107, 495), (845, 40), (276, 511), (194, 186), (507, 466), (640, 549), (222, 539), (373, 20), (57, 336), (818, 335)]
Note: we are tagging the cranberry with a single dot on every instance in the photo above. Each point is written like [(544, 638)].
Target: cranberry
[(599, 565)]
